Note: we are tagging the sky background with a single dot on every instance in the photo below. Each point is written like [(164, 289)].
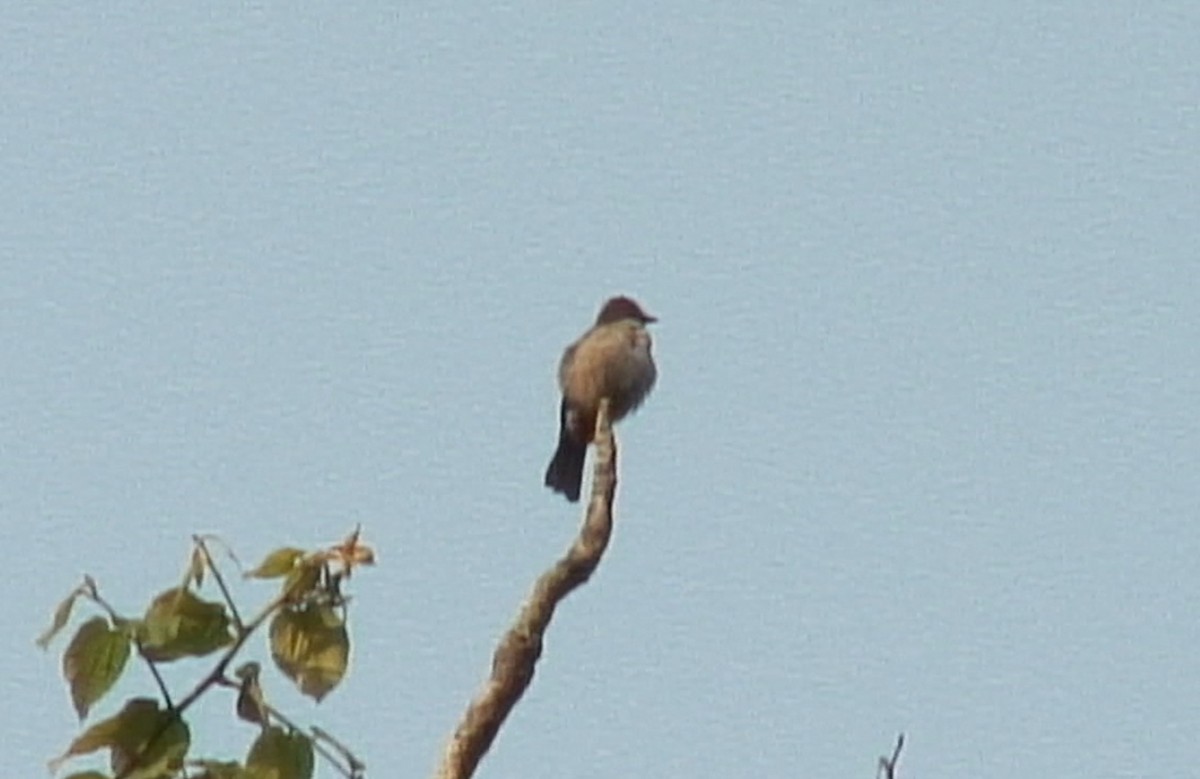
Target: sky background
[(922, 455)]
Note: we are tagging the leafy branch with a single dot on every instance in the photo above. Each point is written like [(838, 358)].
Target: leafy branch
[(308, 641)]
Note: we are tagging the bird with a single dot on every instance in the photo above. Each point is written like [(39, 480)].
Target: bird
[(611, 360)]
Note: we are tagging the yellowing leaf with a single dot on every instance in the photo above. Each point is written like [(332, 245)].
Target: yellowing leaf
[(61, 614), (311, 646), (93, 662), (302, 580), (277, 563)]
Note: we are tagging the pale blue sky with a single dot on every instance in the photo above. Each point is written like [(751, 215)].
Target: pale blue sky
[(923, 451)]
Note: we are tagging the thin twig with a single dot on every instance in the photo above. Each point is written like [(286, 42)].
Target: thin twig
[(887, 766), (356, 766), (162, 685), (218, 671), (220, 580)]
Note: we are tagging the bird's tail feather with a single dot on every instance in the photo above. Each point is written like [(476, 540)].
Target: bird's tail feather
[(565, 472)]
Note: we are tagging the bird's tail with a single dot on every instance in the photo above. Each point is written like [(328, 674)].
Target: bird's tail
[(565, 472)]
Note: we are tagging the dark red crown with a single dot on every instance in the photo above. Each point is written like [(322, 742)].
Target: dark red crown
[(618, 308)]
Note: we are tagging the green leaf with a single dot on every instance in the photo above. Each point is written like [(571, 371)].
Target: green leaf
[(277, 563), (61, 614), (93, 662), (180, 624), (278, 754), (143, 740), (310, 645), (88, 775)]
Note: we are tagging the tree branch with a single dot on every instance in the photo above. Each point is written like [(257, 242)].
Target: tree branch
[(887, 766), (214, 677), (517, 655)]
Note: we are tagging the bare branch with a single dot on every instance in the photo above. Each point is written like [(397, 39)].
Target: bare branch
[(517, 655), (887, 766)]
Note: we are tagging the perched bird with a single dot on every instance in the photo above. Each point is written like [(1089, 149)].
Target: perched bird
[(612, 360)]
